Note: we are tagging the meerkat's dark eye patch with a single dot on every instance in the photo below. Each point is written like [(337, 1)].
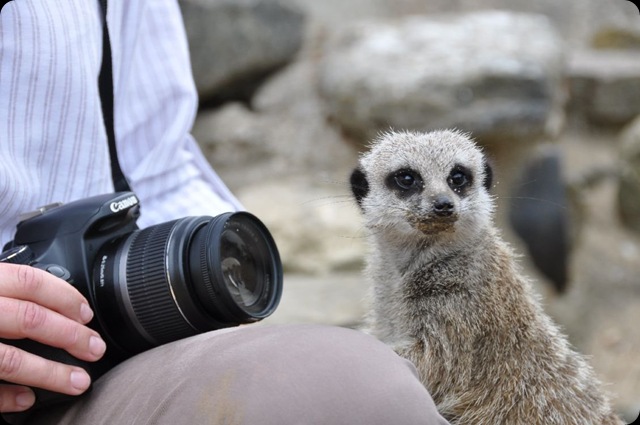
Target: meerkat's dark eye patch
[(359, 185), (405, 182), (460, 179), (488, 175)]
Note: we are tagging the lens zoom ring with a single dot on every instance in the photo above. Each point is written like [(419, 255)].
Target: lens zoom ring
[(149, 290)]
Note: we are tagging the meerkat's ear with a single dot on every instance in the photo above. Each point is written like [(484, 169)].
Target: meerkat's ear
[(488, 175), (359, 185)]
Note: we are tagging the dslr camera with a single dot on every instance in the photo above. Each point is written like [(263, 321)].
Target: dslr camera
[(151, 286)]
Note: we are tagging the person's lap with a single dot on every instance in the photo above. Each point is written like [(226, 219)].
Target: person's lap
[(279, 375)]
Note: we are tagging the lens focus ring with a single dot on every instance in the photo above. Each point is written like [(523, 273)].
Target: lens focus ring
[(149, 288)]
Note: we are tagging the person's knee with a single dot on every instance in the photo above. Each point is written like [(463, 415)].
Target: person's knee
[(337, 375)]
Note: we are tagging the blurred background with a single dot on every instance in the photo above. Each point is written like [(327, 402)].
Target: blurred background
[(292, 90)]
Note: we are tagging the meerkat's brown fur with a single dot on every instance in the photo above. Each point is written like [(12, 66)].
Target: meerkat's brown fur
[(449, 296)]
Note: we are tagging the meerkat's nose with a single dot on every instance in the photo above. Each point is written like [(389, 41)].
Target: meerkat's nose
[(443, 206)]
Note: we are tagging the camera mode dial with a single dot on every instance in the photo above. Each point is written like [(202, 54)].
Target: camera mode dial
[(21, 254)]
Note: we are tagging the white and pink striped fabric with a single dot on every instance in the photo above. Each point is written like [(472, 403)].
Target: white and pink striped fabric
[(53, 144)]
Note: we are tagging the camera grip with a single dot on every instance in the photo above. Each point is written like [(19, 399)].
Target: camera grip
[(46, 398)]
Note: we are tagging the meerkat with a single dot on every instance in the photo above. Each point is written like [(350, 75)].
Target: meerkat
[(448, 295)]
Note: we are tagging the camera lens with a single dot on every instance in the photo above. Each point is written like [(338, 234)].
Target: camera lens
[(184, 277)]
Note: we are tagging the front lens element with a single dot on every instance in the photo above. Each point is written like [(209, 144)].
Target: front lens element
[(241, 273)]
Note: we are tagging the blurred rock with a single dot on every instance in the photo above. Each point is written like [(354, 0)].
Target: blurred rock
[(338, 299), (234, 140), (576, 20), (616, 38), (629, 189), (317, 227), (424, 73), (604, 87), (285, 136), (235, 44)]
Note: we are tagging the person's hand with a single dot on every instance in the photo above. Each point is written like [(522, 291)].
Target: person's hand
[(37, 305)]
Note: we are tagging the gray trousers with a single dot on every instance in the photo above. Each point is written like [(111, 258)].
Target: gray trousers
[(258, 375)]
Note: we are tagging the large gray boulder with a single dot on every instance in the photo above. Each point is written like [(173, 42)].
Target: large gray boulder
[(282, 136), (496, 74), (234, 44)]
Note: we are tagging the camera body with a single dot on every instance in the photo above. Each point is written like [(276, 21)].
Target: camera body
[(151, 286), (64, 240)]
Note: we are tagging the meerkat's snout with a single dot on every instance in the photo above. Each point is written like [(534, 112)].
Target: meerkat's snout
[(432, 212), (443, 206), (438, 213)]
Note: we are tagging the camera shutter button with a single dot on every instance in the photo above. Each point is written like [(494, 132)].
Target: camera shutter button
[(58, 271)]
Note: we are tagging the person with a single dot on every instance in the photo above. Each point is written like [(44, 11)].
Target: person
[(53, 147)]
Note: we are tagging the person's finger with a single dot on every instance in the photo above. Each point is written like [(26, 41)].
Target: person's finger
[(25, 319), (15, 398), (24, 368), (32, 284)]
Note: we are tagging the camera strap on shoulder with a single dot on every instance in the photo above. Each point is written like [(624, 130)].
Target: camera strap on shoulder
[(105, 83)]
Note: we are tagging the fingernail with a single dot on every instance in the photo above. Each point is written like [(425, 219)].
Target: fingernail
[(79, 380), (86, 313), (25, 399), (97, 346)]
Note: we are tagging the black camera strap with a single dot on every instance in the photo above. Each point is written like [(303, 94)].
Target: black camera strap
[(105, 83)]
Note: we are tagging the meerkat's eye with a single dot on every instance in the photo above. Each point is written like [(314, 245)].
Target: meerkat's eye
[(459, 179), (406, 182)]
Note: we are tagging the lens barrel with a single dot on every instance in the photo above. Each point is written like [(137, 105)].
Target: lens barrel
[(185, 277)]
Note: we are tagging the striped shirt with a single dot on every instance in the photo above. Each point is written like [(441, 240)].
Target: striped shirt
[(53, 145)]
